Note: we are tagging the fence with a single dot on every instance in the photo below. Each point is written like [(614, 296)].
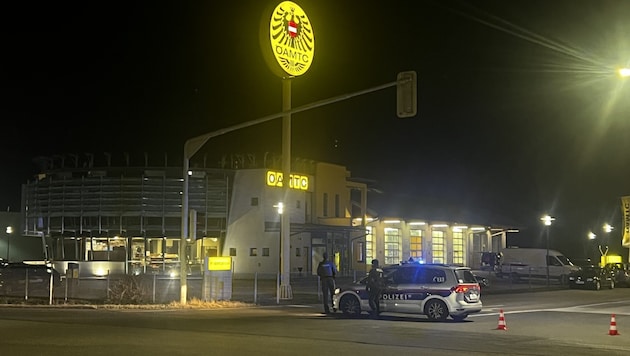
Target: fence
[(163, 289)]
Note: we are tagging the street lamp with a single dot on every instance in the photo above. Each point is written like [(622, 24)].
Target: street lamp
[(607, 229), (280, 208), (591, 237), (624, 72), (547, 222), (9, 231)]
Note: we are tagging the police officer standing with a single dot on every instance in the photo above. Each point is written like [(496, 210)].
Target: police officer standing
[(374, 286), (327, 272)]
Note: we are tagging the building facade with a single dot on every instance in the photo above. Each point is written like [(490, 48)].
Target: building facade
[(124, 218)]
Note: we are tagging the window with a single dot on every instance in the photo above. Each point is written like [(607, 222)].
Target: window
[(392, 245), (254, 201), (253, 251), (415, 244), (325, 205), (298, 252), (458, 247), (337, 205), (369, 244), (232, 251), (265, 251), (438, 246), (407, 276), (434, 276)]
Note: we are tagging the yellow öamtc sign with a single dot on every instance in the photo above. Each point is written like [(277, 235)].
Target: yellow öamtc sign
[(296, 181), (219, 263), (291, 39)]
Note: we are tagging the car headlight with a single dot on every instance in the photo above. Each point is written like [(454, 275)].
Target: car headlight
[(337, 290)]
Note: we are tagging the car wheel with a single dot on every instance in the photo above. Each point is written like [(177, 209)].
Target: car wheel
[(598, 285), (459, 317), (350, 306), (436, 310)]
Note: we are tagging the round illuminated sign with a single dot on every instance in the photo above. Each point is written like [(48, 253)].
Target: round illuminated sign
[(291, 40)]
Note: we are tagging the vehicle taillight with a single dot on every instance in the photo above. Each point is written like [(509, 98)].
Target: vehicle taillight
[(463, 288)]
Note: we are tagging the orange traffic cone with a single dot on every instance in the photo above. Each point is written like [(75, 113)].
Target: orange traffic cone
[(613, 326), (502, 325)]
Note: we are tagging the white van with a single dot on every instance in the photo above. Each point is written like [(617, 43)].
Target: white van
[(517, 263)]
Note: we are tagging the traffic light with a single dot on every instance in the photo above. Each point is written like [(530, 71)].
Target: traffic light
[(406, 94)]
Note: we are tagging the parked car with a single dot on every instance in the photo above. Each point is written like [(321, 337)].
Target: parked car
[(592, 277), (21, 279)]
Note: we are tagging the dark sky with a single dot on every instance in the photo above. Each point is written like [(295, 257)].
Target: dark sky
[(520, 111)]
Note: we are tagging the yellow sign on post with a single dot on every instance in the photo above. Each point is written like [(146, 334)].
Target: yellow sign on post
[(219, 263), (289, 47)]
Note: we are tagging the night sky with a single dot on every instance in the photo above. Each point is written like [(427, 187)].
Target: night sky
[(520, 110)]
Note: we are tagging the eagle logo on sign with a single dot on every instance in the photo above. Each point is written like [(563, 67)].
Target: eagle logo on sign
[(292, 38)]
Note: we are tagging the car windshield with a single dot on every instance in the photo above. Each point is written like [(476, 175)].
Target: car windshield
[(565, 261)]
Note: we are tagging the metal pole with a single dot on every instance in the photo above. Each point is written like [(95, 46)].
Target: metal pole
[(191, 146), (285, 219), (256, 288), (50, 288), (548, 255), (183, 281)]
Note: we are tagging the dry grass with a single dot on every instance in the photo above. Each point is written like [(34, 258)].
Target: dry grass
[(192, 304)]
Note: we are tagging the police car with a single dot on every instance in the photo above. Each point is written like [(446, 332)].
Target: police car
[(435, 290)]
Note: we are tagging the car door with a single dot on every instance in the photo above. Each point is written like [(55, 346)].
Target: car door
[(405, 291)]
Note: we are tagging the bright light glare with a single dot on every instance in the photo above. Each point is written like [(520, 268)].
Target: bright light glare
[(547, 220), (624, 72)]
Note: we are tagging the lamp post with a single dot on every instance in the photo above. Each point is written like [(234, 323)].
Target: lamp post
[(603, 252), (591, 237), (280, 208), (547, 222), (9, 231)]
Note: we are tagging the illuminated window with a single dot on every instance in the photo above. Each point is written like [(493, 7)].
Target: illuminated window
[(369, 244), (392, 245), (253, 251), (437, 239), (415, 244), (458, 247)]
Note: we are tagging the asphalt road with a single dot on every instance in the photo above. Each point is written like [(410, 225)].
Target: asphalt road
[(561, 322)]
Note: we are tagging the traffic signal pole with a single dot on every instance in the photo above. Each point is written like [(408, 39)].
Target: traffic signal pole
[(193, 145)]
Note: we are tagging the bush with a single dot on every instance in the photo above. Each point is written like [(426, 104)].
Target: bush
[(130, 289)]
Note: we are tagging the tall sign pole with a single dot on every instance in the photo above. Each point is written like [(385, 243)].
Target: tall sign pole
[(288, 46)]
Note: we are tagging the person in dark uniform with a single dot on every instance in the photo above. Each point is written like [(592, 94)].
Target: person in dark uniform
[(327, 272), (374, 286)]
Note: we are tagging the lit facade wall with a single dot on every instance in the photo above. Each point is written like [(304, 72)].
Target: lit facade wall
[(253, 233), (395, 240)]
